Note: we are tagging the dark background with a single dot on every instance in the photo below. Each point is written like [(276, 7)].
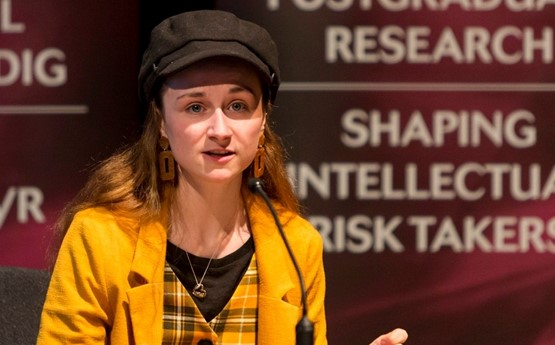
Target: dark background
[(153, 12)]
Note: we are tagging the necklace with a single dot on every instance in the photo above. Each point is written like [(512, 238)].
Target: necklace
[(199, 291)]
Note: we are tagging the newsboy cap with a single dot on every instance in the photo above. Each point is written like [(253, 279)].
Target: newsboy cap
[(189, 37)]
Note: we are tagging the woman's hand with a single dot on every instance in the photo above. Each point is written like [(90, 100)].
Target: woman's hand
[(396, 337)]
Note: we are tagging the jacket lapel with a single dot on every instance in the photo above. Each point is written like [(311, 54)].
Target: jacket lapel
[(276, 316), (146, 295)]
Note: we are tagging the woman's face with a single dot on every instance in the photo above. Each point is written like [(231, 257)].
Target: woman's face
[(213, 117)]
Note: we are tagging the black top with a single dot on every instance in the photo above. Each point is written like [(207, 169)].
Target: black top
[(221, 280)]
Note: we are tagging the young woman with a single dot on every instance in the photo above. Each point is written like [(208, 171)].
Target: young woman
[(166, 244)]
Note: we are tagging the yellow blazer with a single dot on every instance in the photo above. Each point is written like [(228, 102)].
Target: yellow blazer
[(107, 284)]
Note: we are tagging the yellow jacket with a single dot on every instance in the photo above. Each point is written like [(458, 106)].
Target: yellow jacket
[(107, 284)]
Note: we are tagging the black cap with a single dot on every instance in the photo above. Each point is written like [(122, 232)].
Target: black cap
[(189, 37)]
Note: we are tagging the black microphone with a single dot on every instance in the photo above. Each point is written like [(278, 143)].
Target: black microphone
[(304, 329)]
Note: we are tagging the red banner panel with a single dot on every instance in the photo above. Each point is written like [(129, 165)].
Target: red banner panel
[(67, 99)]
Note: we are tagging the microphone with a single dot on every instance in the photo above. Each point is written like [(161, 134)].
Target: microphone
[(304, 329)]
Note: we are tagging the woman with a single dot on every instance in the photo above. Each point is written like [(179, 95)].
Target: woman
[(166, 244)]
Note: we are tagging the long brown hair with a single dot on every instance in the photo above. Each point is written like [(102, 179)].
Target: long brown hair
[(128, 182)]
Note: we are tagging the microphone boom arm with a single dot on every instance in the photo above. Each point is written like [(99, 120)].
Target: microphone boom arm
[(304, 329)]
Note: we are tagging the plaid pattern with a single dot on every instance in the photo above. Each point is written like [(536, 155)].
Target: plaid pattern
[(235, 325)]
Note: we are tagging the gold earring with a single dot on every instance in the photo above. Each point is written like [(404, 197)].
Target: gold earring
[(258, 168), (166, 161)]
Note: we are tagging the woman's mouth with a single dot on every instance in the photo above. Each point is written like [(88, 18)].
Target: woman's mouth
[(218, 153), (221, 153)]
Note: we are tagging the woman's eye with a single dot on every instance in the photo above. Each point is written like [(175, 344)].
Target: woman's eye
[(195, 108), (237, 106)]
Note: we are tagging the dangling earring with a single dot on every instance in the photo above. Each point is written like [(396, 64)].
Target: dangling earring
[(166, 162), (259, 158)]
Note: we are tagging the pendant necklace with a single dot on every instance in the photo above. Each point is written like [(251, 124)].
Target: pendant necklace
[(199, 291)]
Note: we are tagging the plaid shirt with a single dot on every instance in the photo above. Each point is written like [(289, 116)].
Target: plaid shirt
[(235, 325)]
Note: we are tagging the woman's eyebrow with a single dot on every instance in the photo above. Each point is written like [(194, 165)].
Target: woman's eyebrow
[(240, 88), (200, 94), (194, 94)]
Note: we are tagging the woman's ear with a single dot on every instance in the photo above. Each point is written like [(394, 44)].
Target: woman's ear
[(163, 129), (264, 123)]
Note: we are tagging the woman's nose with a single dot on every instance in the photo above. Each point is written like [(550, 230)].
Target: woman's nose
[(219, 126)]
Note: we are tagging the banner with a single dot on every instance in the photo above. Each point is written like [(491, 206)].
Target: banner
[(421, 142), (67, 99)]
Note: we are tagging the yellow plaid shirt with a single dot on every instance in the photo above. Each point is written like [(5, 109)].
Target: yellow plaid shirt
[(236, 324)]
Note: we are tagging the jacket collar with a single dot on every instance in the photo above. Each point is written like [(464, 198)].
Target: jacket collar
[(277, 317), (149, 257), (271, 255), (146, 293)]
